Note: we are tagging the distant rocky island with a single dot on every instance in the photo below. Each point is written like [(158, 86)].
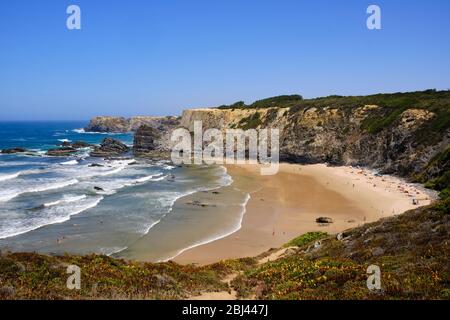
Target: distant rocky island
[(123, 125)]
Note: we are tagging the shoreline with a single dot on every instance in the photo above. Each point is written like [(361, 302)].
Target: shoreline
[(214, 238), (284, 206)]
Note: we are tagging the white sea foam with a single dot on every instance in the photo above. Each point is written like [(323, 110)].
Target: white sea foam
[(70, 162), (9, 194), (150, 177), (224, 181), (65, 199), (9, 176), (111, 187), (52, 186), (14, 175), (49, 215), (147, 229), (64, 140), (81, 130), (159, 179), (224, 234), (111, 251)]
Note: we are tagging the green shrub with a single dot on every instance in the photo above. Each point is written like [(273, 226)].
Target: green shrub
[(306, 238), (250, 122)]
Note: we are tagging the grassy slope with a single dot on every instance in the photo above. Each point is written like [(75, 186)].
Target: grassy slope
[(411, 249)]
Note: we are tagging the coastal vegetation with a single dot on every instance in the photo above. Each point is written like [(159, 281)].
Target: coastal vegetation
[(411, 249), (283, 101), (250, 122), (439, 167), (306, 238), (392, 105)]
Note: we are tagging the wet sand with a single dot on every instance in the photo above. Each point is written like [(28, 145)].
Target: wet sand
[(286, 205)]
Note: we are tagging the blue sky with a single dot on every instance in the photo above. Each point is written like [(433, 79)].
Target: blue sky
[(159, 57)]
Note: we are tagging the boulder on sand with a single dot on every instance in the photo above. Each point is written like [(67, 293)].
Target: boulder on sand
[(109, 148), (324, 220)]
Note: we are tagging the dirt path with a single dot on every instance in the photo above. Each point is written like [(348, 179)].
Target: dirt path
[(232, 294), (274, 256), (221, 295)]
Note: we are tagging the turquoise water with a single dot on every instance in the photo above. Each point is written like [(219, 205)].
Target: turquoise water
[(67, 204), (44, 135)]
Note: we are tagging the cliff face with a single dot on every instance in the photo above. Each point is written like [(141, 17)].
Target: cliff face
[(337, 135), (120, 124), (158, 123), (145, 140), (339, 138)]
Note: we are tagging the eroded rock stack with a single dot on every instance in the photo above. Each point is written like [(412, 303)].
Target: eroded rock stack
[(145, 140)]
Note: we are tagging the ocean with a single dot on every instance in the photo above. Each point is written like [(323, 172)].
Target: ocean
[(79, 204)]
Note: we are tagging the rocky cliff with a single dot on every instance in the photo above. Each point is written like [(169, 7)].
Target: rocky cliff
[(398, 133), (145, 140), (121, 124)]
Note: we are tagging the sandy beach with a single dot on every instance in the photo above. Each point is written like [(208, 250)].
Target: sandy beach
[(286, 205)]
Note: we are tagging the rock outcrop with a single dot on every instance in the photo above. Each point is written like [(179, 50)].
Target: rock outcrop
[(110, 148), (61, 152), (145, 140), (122, 125), (14, 150), (76, 144), (158, 123), (67, 148), (108, 124), (80, 144)]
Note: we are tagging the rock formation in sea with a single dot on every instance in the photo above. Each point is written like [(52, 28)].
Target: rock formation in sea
[(67, 148), (145, 140), (110, 148), (61, 152), (122, 125), (76, 144), (14, 150)]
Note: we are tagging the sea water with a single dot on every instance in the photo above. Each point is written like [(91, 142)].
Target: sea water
[(79, 204)]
